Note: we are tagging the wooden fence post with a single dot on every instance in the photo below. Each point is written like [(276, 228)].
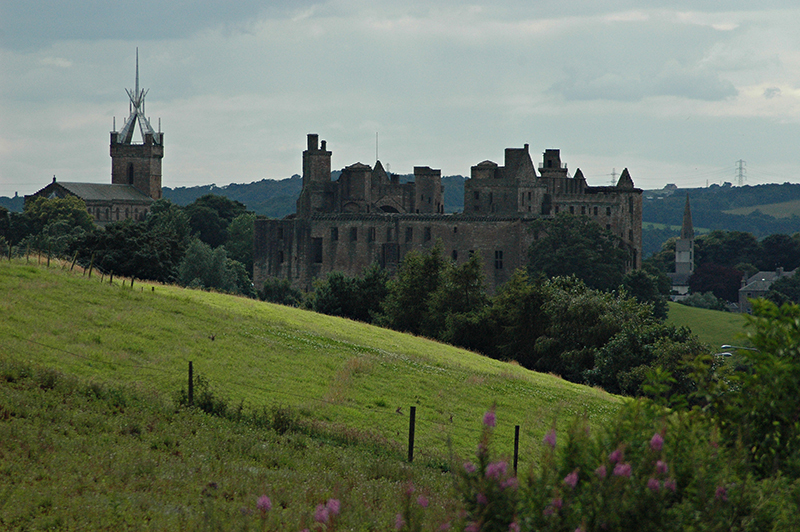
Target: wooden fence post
[(516, 447), (191, 385), (411, 421)]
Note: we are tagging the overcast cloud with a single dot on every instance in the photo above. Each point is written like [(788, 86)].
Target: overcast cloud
[(675, 94)]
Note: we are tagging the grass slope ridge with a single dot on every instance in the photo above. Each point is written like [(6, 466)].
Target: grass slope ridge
[(714, 327), (337, 373)]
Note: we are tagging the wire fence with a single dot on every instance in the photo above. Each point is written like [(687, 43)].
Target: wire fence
[(437, 427)]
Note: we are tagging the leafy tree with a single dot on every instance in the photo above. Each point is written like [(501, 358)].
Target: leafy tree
[(756, 405), (622, 364), (406, 305), (5, 223), (575, 245), (210, 215), (461, 291), (645, 288), (780, 251), (785, 290), (204, 267), (726, 248), (40, 211), (723, 281), (519, 318), (240, 239), (225, 208), (280, 291), (357, 298)]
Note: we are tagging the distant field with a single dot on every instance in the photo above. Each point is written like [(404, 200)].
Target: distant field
[(778, 210), (653, 225), (713, 327)]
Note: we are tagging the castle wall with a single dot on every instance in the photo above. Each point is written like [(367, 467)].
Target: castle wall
[(301, 250)]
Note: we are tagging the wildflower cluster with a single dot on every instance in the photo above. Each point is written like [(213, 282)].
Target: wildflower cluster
[(490, 488)]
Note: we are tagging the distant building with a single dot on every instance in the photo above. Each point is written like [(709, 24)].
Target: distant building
[(135, 170), (367, 216), (757, 285), (684, 256)]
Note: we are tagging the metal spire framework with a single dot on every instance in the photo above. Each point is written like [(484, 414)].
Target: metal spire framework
[(136, 97)]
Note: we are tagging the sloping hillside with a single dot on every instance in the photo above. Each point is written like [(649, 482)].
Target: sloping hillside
[(334, 371)]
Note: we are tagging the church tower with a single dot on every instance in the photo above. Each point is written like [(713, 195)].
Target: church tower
[(133, 164), (684, 247)]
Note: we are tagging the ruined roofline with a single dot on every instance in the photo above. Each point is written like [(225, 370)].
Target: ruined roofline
[(458, 217)]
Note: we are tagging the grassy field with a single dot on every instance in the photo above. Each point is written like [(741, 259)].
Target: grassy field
[(713, 327), (349, 382), (779, 210)]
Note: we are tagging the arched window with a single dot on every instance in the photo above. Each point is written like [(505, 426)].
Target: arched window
[(130, 173)]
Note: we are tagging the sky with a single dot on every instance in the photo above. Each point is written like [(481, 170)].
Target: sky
[(675, 91)]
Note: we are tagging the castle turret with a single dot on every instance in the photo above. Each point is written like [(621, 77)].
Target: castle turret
[(138, 165), (315, 196)]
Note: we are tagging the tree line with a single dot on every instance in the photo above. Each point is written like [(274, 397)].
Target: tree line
[(207, 244)]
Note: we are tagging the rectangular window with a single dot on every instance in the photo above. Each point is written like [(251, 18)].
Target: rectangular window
[(571, 209), (630, 235), (595, 211), (455, 255), (334, 234), (280, 257), (476, 195), (371, 235), (316, 250), (556, 209), (455, 230), (389, 235), (427, 234), (409, 234), (280, 233), (498, 259), (608, 211), (353, 234), (583, 209), (608, 227)]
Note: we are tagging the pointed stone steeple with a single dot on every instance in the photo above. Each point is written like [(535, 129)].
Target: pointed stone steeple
[(687, 231)]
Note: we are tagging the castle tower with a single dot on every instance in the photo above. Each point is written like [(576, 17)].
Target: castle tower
[(137, 164), (316, 194), (684, 247)]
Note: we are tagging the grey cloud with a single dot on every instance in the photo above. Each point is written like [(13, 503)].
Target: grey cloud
[(771, 92), (32, 25)]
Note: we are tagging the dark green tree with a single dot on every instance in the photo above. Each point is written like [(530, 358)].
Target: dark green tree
[(240, 239), (723, 281), (575, 245), (280, 291), (785, 290), (645, 288), (780, 251)]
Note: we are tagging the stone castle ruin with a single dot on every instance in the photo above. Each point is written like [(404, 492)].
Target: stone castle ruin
[(367, 216)]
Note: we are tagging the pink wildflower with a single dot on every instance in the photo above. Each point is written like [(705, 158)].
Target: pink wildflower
[(333, 506), (422, 501), (482, 499), (670, 484), (721, 494), (399, 522), (410, 488), (444, 526), (661, 467), (489, 419), (550, 438), (264, 504), (472, 527), (622, 470), (496, 469), (656, 442), (654, 485), (557, 503), (321, 514), (571, 480), (510, 482), (469, 467), (615, 456), (580, 529), (513, 527), (601, 472)]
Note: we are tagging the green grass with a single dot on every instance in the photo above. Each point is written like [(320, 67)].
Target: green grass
[(783, 209), (713, 327), (351, 385)]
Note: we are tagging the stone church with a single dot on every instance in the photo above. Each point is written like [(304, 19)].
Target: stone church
[(135, 170), (367, 216)]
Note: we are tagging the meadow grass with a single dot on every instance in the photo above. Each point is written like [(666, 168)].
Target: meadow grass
[(347, 382), (713, 327)]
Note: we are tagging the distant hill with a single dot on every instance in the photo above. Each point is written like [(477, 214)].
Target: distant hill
[(14, 204), (277, 198), (761, 210)]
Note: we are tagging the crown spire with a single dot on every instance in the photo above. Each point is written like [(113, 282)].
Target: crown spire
[(136, 97)]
